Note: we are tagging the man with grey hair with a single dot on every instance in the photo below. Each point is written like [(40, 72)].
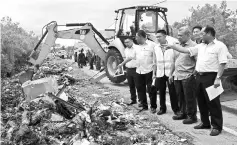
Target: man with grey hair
[(182, 75)]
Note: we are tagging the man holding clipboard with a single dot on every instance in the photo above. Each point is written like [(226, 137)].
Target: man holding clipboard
[(211, 61)]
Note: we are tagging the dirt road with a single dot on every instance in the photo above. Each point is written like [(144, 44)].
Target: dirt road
[(199, 137)]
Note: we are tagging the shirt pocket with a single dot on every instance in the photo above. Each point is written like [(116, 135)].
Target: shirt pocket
[(148, 53), (211, 56)]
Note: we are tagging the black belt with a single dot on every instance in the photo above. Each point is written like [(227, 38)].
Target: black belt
[(131, 68), (206, 73)]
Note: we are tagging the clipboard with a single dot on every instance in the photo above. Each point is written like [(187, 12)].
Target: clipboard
[(214, 92), (119, 72)]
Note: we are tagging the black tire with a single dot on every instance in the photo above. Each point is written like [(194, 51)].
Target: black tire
[(113, 58), (230, 83)]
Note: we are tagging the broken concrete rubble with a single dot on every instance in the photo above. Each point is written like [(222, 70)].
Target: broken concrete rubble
[(105, 120), (32, 89)]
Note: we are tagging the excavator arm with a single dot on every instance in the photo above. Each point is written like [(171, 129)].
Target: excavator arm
[(86, 33)]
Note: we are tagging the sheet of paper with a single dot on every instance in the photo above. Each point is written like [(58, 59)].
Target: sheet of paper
[(214, 92), (153, 82)]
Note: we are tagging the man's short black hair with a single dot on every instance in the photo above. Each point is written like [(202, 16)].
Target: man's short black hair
[(197, 27), (162, 32), (141, 33), (211, 30)]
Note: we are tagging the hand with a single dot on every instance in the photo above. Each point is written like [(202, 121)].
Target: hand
[(217, 82), (120, 66), (167, 46), (171, 79), (36, 69)]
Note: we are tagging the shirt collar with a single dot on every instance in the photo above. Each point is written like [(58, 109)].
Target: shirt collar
[(199, 41), (146, 42), (166, 43), (214, 41), (130, 47)]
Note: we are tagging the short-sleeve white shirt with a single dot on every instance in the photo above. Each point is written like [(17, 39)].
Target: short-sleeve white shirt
[(209, 55)]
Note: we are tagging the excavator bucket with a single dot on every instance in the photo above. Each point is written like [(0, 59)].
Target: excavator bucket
[(37, 58), (26, 75)]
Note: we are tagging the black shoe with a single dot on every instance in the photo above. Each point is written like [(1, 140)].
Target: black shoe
[(202, 126), (143, 109), (190, 120), (179, 117), (153, 110), (129, 104), (161, 112), (215, 132), (176, 113)]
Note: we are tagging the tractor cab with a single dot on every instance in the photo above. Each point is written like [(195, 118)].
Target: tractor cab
[(127, 23), (148, 18)]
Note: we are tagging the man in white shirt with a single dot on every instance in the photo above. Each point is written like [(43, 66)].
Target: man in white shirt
[(198, 38), (144, 58), (131, 68), (163, 60), (211, 61)]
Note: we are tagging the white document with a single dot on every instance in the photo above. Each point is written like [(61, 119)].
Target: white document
[(153, 82), (214, 92), (119, 72)]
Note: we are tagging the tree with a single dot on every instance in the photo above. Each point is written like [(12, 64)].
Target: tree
[(221, 18), (16, 45)]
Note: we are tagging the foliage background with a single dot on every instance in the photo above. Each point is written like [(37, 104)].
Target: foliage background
[(221, 18), (16, 45)]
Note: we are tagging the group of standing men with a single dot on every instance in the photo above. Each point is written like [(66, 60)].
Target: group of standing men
[(185, 66), (82, 59)]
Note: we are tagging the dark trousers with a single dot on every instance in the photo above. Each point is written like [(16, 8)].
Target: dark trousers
[(186, 97), (161, 82), (144, 82), (80, 64), (91, 62), (205, 105), (132, 78)]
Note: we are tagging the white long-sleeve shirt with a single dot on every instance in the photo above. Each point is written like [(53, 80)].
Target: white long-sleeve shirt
[(144, 57), (129, 53)]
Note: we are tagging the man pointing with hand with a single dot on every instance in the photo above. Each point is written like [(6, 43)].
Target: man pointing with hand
[(184, 79), (211, 61)]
